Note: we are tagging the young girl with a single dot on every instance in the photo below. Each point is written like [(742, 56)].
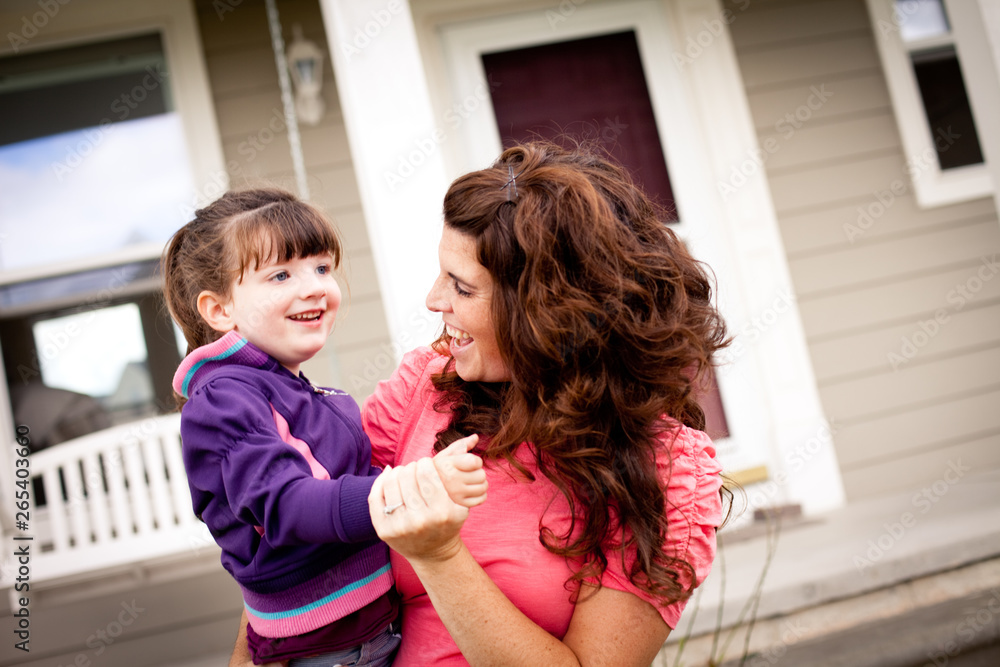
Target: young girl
[(280, 470)]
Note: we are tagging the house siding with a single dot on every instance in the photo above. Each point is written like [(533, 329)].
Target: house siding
[(874, 274), (247, 97)]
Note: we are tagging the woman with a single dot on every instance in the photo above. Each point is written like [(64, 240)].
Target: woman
[(576, 329)]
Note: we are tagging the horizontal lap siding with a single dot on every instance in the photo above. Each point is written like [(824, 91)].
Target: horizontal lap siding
[(901, 324), (250, 114), (911, 255)]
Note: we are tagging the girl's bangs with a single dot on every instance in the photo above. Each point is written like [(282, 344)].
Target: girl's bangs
[(278, 233)]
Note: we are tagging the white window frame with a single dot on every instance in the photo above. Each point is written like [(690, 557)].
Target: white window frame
[(705, 129), (76, 23), (931, 185)]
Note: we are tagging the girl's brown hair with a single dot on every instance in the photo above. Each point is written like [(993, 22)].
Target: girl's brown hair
[(607, 327), (241, 230)]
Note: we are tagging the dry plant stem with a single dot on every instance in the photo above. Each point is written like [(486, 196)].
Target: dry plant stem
[(773, 530), (752, 603), (690, 629), (722, 599), (717, 656)]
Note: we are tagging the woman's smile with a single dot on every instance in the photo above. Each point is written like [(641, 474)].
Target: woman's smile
[(463, 294), (459, 338)]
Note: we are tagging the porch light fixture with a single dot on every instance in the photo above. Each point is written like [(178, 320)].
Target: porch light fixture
[(305, 64)]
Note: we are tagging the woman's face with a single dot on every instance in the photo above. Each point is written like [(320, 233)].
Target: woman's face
[(463, 294)]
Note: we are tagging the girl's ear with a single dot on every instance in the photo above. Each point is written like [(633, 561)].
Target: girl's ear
[(216, 311)]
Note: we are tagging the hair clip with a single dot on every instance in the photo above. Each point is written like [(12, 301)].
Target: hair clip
[(511, 183)]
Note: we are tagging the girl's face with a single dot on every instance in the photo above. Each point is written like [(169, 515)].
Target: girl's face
[(287, 308), (463, 294)]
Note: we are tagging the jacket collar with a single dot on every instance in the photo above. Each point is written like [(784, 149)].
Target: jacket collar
[(232, 348)]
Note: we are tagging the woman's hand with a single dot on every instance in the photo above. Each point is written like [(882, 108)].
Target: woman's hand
[(423, 523)]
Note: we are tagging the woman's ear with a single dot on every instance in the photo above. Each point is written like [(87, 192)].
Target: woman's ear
[(216, 311)]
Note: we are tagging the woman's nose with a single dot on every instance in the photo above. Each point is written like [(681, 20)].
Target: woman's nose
[(435, 300)]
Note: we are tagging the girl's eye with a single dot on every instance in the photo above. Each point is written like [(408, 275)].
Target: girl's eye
[(460, 291), (323, 269), (280, 277)]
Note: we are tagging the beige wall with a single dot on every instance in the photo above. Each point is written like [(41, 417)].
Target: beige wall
[(247, 98), (865, 285)]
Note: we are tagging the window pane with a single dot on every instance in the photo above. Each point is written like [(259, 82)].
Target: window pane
[(90, 352), (947, 107), (182, 345), (90, 371), (93, 191), (92, 156), (109, 81), (920, 19)]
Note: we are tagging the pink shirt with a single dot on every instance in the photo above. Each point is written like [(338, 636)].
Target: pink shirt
[(502, 533)]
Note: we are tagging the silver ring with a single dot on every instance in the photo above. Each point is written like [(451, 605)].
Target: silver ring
[(389, 509)]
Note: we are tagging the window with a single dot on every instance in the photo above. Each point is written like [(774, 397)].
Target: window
[(92, 153), (73, 371), (920, 56), (94, 178), (91, 374), (110, 141)]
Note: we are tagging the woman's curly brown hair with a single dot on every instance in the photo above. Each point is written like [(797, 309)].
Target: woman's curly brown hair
[(608, 325)]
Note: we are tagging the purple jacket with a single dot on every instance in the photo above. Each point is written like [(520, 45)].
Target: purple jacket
[(280, 472)]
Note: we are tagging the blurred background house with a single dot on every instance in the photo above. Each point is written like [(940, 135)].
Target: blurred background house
[(833, 161)]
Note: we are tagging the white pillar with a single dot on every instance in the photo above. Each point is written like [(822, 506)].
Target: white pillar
[(395, 147)]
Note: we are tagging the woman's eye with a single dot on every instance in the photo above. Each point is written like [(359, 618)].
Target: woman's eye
[(460, 291)]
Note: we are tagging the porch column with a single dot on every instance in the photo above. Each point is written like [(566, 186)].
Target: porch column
[(394, 145)]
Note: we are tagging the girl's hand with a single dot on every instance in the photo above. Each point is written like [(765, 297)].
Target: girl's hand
[(424, 523), (462, 472)]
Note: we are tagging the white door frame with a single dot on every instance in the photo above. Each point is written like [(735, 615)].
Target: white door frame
[(686, 116)]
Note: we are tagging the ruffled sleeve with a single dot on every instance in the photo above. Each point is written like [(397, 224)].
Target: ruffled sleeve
[(694, 511), (384, 413)]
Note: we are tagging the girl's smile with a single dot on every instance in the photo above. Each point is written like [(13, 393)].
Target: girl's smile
[(287, 309)]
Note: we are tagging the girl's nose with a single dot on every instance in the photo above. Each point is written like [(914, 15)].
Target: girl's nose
[(312, 286)]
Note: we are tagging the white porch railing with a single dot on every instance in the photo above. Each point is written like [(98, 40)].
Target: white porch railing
[(112, 498)]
